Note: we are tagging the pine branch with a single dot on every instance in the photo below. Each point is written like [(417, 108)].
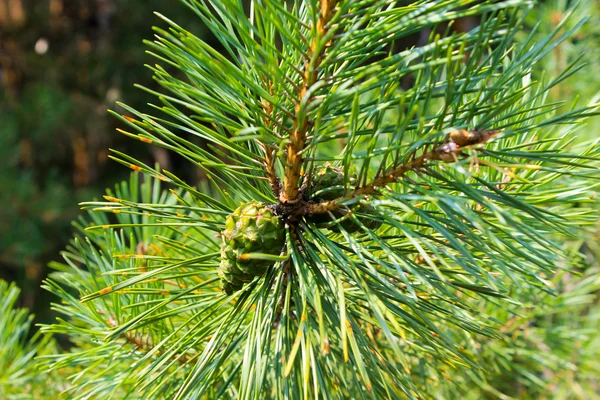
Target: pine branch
[(269, 150), (270, 160), (458, 141), (297, 139)]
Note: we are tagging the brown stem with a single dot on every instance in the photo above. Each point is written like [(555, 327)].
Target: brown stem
[(387, 177), (448, 152), (291, 179), (270, 169)]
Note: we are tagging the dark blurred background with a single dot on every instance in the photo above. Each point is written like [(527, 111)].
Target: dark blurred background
[(63, 63)]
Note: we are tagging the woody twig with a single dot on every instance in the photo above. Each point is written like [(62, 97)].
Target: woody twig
[(450, 151), (290, 192)]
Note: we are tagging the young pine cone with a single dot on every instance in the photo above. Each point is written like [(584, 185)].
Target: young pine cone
[(251, 228)]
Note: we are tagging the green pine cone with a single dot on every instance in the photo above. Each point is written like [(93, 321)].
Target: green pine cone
[(328, 184), (251, 228)]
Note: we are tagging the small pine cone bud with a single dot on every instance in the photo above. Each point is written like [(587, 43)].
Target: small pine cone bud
[(251, 228), (463, 137), (329, 183)]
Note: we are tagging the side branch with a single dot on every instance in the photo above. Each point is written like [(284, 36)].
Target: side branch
[(270, 169), (268, 150), (459, 140), (293, 167)]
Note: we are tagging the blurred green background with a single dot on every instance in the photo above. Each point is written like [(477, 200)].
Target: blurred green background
[(63, 63)]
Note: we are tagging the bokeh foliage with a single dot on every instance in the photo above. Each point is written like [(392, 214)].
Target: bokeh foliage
[(63, 64)]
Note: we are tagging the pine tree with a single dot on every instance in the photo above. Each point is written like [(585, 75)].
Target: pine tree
[(355, 238)]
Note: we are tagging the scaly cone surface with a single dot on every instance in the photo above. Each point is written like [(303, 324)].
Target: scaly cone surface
[(251, 228)]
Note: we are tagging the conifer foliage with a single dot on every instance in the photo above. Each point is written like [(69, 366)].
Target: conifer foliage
[(355, 238)]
